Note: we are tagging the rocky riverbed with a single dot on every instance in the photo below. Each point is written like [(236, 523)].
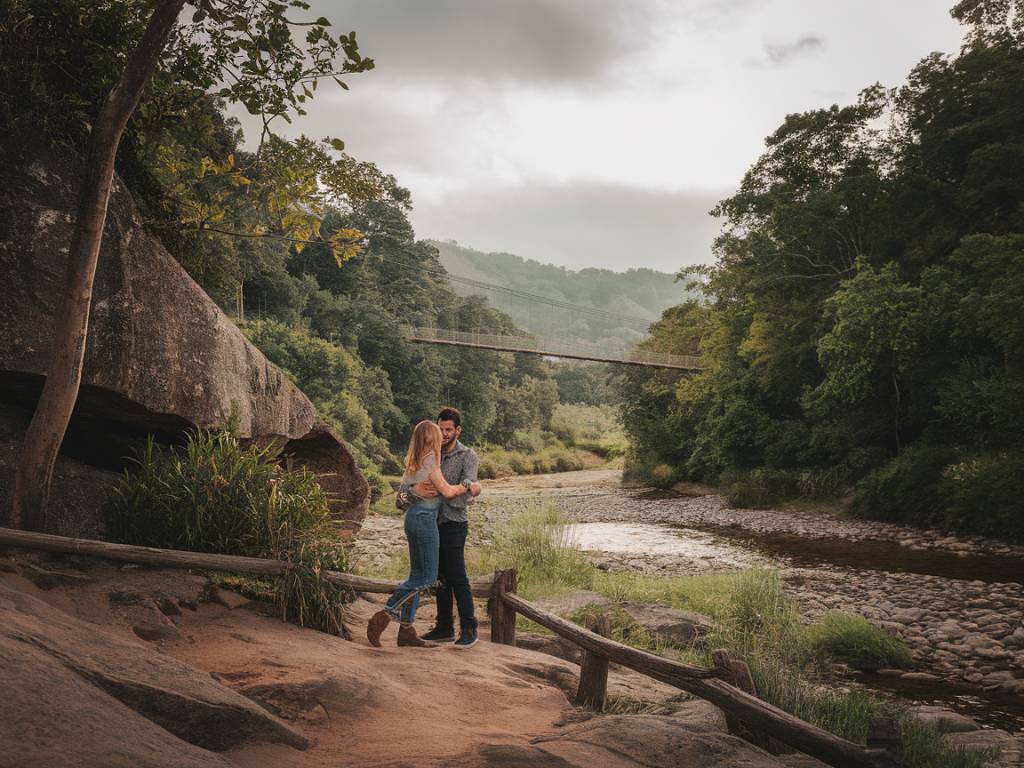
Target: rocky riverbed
[(961, 630)]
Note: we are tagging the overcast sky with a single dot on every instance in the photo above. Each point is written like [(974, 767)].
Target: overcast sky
[(598, 132)]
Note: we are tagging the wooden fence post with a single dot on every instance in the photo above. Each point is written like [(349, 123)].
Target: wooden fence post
[(884, 733), (594, 669), (503, 617), (737, 674)]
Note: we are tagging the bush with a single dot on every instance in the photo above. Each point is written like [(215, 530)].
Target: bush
[(213, 495), (494, 464), (759, 488), (856, 641), (983, 494), (499, 462), (662, 476), (375, 479), (907, 488)]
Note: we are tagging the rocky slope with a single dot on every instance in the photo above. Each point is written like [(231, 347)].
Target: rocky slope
[(120, 666)]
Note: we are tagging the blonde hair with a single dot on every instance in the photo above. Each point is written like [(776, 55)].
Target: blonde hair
[(426, 439)]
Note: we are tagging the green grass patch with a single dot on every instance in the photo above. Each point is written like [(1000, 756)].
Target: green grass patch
[(213, 495), (854, 640), (710, 594)]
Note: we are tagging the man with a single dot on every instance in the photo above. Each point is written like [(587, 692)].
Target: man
[(459, 465)]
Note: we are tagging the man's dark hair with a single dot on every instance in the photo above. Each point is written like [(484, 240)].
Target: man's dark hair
[(450, 414)]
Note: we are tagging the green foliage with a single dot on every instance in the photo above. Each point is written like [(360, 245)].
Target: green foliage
[(937, 486), (906, 488), (341, 387), (594, 428), (758, 488), (498, 462), (213, 495), (862, 325), (584, 383), (852, 639)]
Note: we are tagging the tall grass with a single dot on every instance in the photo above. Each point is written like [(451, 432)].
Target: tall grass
[(213, 495), (544, 551)]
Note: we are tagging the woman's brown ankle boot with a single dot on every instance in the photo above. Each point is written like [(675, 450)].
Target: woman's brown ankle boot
[(407, 636), (376, 626)]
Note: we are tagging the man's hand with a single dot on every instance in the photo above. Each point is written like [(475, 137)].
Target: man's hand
[(425, 490), (474, 489)]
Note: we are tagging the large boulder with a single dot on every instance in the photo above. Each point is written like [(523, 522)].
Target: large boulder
[(161, 355), (79, 694)]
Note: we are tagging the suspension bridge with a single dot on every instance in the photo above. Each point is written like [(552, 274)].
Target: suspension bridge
[(553, 326), (548, 347)]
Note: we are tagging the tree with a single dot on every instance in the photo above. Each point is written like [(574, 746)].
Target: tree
[(865, 353), (31, 485), (248, 42)]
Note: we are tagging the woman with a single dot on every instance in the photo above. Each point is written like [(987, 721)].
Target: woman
[(422, 462)]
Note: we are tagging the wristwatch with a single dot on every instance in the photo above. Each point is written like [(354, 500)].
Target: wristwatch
[(468, 485)]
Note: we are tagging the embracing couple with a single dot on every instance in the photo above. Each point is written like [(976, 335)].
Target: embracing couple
[(440, 478)]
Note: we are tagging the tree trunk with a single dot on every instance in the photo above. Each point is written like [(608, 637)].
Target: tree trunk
[(31, 486)]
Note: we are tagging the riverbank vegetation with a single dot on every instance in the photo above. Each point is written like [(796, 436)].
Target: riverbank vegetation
[(213, 495), (862, 324), (791, 660)]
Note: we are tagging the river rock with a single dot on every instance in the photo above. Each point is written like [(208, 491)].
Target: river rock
[(671, 624), (161, 357), (922, 676), (907, 615), (1009, 747), (945, 720)]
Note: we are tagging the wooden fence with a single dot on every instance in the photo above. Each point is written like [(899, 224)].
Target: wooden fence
[(747, 715)]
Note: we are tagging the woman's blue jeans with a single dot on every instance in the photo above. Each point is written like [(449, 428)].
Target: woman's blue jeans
[(424, 545)]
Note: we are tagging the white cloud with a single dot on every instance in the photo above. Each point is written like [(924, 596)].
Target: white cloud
[(532, 106)]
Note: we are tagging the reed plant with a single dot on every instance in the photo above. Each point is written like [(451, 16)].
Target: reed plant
[(542, 548), (213, 494)]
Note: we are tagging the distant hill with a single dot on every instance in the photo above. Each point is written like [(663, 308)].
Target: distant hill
[(637, 296)]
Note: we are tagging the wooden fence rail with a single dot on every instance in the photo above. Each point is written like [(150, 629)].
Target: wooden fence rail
[(503, 605), (176, 558)]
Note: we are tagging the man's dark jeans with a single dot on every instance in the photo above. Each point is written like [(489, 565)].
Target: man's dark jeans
[(452, 571)]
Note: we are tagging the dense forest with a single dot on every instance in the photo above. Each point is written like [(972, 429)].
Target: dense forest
[(632, 299), (864, 320), (308, 248)]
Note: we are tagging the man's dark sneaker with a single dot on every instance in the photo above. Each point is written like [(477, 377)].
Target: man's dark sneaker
[(439, 635), (467, 639)]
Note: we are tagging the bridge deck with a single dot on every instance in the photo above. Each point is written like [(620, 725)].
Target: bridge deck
[(552, 348)]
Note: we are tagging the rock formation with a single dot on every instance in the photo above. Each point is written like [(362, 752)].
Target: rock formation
[(161, 356)]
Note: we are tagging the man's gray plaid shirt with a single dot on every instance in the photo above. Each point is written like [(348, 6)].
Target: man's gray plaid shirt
[(457, 466)]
